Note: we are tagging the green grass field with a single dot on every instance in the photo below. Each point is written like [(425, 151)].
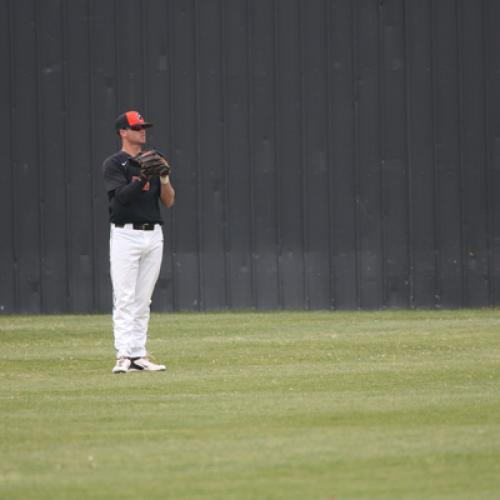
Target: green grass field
[(314, 405)]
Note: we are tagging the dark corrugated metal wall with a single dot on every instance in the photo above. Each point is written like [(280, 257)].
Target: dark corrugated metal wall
[(327, 153)]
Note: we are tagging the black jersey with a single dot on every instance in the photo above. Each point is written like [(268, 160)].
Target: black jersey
[(130, 201)]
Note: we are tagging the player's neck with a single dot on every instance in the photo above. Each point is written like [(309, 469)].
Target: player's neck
[(131, 149)]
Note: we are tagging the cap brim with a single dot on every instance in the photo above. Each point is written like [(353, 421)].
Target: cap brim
[(139, 126)]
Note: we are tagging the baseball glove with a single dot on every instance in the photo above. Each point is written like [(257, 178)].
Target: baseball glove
[(152, 164)]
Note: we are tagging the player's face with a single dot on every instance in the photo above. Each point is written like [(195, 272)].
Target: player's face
[(138, 135)]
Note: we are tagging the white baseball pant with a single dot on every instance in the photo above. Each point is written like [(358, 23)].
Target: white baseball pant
[(135, 261)]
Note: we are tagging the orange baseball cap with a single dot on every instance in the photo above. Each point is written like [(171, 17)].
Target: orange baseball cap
[(131, 119)]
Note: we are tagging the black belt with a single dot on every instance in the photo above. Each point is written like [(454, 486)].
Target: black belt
[(146, 226)]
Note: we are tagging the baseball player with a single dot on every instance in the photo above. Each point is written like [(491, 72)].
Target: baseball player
[(135, 180)]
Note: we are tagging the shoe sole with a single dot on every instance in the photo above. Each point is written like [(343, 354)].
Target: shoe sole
[(143, 370)]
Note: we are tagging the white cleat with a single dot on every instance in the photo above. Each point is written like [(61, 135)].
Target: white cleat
[(143, 364), (122, 365)]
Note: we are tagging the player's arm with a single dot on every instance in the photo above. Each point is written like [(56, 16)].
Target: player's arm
[(167, 193), (118, 185), (129, 192)]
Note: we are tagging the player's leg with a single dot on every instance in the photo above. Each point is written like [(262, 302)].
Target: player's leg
[(125, 252), (148, 272)]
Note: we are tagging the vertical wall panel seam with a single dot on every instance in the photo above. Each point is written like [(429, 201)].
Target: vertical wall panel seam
[(65, 86), (116, 43), (251, 159), (409, 162), (171, 123), (329, 114), (278, 248), (199, 181), (92, 152), (145, 57), (12, 163), (381, 148), (355, 131), (276, 154), (434, 106), (303, 156), (461, 137), (39, 155), (225, 162), (488, 178)]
